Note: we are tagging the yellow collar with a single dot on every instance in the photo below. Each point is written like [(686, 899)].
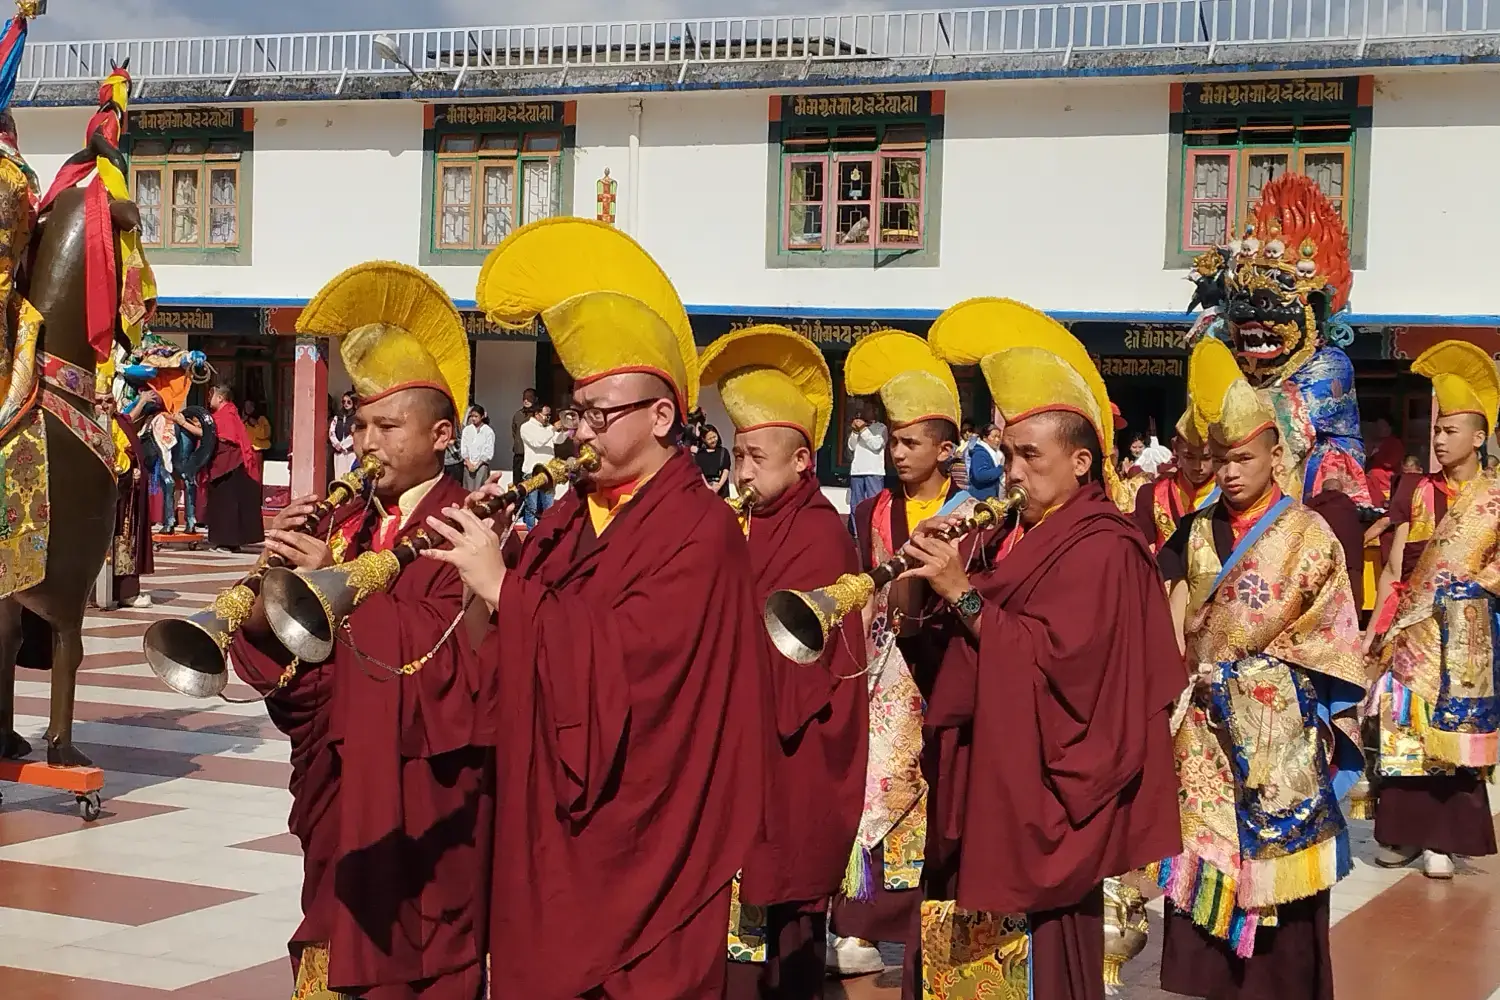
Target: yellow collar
[(406, 505), (602, 513)]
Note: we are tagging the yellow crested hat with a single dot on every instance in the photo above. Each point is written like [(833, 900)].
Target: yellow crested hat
[(1463, 379), (1190, 426), (556, 267), (400, 330), (769, 376), (1226, 407), (1052, 372), (912, 382)]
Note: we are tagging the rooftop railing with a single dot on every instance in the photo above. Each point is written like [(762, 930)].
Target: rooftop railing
[(933, 36)]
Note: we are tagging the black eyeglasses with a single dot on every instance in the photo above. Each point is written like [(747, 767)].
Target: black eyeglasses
[(600, 417)]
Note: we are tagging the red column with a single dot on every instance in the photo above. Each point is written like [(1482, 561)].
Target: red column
[(309, 470)]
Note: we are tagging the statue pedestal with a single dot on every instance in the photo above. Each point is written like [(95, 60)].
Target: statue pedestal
[(84, 782)]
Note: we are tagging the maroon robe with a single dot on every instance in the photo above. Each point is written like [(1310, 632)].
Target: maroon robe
[(893, 914), (1066, 698), (1342, 517), (391, 794), (631, 713), (816, 778)]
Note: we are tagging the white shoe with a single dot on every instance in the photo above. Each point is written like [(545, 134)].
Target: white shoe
[(141, 601), (1435, 865), (855, 957), (1395, 857)]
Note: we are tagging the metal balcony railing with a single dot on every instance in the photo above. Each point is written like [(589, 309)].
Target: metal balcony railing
[(930, 35)]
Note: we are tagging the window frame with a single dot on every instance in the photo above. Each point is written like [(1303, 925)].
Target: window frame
[(1240, 152), (167, 164), (792, 149), (517, 155), (1189, 202)]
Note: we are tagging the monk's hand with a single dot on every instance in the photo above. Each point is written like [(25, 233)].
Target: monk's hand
[(293, 517), (934, 525), (939, 563), (491, 488), (474, 551), (301, 551)]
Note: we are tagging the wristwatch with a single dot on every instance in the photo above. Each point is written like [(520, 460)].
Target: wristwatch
[(969, 604)]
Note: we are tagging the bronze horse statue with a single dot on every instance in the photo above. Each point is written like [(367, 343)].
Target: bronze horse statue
[(42, 627)]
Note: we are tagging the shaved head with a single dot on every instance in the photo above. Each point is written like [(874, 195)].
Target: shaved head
[(771, 459), (939, 431), (408, 431)]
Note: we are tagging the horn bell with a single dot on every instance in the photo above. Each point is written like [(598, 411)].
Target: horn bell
[(306, 608), (799, 622), (189, 655)]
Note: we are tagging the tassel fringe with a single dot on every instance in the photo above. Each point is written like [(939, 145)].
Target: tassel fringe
[(1207, 895), (859, 876), (1295, 876)]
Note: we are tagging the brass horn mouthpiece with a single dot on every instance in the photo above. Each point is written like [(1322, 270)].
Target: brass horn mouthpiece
[(800, 622), (306, 608), (190, 655), (748, 497)]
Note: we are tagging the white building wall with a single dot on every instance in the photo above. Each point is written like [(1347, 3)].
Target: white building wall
[(1038, 181)]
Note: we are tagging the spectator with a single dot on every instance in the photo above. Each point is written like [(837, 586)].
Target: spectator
[(1133, 454), (541, 439), (517, 446), (958, 468), (714, 461), (341, 435), (259, 429), (867, 439), (986, 465), (476, 448), (1386, 453), (1492, 463), (692, 430)]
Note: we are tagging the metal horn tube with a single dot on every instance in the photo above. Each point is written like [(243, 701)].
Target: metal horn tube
[(305, 608), (799, 622), (190, 655)]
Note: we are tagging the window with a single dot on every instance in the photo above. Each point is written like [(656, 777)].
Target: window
[(188, 191), (1229, 160), (490, 183), (854, 186)]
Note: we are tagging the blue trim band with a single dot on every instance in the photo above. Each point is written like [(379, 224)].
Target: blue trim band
[(915, 315)]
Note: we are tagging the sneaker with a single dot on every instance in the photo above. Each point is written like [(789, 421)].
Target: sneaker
[(141, 601), (855, 957), (1438, 866), (1395, 857)]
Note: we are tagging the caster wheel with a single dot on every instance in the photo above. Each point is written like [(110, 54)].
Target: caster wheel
[(88, 807)]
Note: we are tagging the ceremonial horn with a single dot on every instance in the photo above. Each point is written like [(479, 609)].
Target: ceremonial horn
[(800, 622), (189, 655), (748, 497), (306, 608)]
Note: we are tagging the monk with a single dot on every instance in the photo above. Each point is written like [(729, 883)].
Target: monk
[(1260, 591), (778, 391), (391, 790), (1056, 697), (628, 701), (1436, 700), (1161, 505), (881, 899)]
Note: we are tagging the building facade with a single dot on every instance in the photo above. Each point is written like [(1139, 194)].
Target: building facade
[(837, 194)]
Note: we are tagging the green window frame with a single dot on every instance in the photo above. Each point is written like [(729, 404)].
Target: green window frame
[(483, 181), (193, 188), (1227, 160)]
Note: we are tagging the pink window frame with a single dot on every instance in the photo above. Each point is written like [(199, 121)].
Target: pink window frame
[(881, 199), (786, 213), (1233, 155), (873, 203)]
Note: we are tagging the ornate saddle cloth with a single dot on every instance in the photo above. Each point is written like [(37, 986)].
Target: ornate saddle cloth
[(28, 390)]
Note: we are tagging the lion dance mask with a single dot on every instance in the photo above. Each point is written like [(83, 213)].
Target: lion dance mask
[(1275, 296)]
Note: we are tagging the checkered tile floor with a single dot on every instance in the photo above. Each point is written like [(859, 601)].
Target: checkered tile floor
[(187, 886)]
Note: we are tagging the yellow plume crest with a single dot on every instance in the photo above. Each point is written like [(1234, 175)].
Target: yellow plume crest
[(1463, 379), (912, 382), (771, 375), (546, 263)]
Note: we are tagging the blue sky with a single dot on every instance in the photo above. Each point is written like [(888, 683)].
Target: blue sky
[(121, 19)]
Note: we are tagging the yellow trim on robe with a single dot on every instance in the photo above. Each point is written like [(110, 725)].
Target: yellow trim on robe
[(407, 504), (603, 516)]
